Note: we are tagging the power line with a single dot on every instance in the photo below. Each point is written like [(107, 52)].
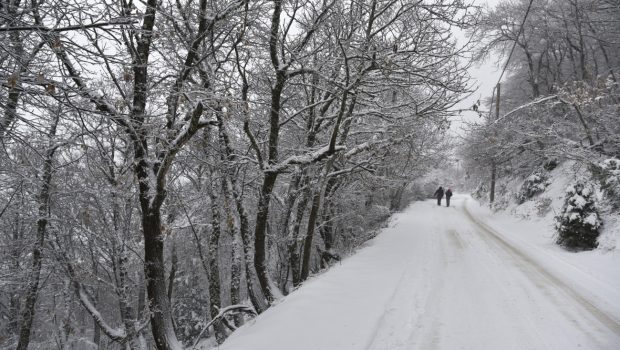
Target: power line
[(527, 11)]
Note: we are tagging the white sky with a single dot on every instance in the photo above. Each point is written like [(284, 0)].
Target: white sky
[(484, 77)]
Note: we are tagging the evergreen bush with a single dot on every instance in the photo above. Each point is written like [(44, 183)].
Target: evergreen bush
[(550, 164), (579, 222), (534, 184)]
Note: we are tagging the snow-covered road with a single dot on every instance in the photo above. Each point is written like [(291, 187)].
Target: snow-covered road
[(441, 278)]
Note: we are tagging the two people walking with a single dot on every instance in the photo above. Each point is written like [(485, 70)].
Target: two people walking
[(440, 193)]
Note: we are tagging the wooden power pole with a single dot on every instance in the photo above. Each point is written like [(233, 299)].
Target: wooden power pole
[(493, 165)]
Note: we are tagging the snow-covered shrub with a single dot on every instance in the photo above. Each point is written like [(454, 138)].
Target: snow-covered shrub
[(543, 205), (579, 221), (502, 198), (533, 185), (480, 191), (550, 164), (608, 174), (379, 213)]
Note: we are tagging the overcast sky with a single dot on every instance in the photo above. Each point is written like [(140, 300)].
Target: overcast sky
[(484, 77)]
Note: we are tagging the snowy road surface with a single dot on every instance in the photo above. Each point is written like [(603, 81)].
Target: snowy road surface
[(441, 278)]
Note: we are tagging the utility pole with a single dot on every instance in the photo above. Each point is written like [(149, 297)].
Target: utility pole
[(493, 166)]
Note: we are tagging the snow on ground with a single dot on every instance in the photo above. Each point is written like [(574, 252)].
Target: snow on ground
[(449, 278)]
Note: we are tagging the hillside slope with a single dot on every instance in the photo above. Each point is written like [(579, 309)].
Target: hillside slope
[(542, 208)]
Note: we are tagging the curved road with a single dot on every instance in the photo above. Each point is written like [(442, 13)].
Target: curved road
[(438, 278), (486, 294)]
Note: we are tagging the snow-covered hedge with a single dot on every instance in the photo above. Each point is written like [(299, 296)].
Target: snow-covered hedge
[(533, 185), (579, 222)]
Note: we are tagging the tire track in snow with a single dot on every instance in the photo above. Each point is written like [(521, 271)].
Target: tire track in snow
[(388, 307), (528, 265), (411, 319), (482, 294), (524, 322), (412, 300)]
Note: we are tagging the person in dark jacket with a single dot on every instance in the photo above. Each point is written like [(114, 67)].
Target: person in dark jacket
[(439, 195), (448, 195)]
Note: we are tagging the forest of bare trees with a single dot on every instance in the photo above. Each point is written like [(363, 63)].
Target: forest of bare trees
[(169, 168), (561, 98)]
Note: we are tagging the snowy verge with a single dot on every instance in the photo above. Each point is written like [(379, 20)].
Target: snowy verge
[(544, 206)]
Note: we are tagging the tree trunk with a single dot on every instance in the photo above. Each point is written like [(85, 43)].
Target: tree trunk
[(13, 323), (141, 307), (287, 231), (269, 180), (122, 279), (127, 312), (235, 190), (173, 272), (493, 161), (214, 269), (235, 254), (37, 249), (151, 199), (262, 215), (492, 191), (293, 246), (154, 271), (14, 88), (584, 125), (585, 75), (174, 263), (533, 76), (314, 213), (95, 267), (96, 334), (248, 249), (327, 229)]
